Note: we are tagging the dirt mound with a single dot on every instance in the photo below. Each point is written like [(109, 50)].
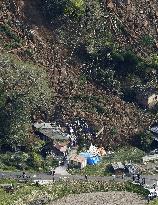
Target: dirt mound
[(101, 198)]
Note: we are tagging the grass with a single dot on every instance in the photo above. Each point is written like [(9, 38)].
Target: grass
[(154, 202), (129, 154), (95, 170), (29, 194), (22, 192), (122, 155)]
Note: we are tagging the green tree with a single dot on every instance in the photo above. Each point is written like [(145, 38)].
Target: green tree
[(75, 8), (25, 89), (143, 140), (35, 160)]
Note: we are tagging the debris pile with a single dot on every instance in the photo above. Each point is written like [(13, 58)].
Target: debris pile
[(135, 22), (32, 39)]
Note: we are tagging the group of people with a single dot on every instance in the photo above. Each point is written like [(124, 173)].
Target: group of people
[(141, 180), (138, 179), (152, 195), (24, 176)]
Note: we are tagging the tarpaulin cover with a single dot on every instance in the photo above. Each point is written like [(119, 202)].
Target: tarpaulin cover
[(91, 159)]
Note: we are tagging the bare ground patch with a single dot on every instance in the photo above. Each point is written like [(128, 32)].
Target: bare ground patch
[(102, 198)]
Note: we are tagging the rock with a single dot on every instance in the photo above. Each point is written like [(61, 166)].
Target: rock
[(110, 4), (145, 23)]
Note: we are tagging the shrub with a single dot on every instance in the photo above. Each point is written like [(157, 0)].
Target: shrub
[(147, 40), (136, 189), (143, 140), (125, 62), (75, 8), (35, 161)]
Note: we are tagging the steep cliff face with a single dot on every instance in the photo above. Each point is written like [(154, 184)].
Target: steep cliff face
[(27, 34)]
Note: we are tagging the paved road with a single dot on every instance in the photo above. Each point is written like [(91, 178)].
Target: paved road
[(43, 176), (61, 170), (150, 179)]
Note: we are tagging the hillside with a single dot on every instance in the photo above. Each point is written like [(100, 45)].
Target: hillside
[(138, 24), (32, 36)]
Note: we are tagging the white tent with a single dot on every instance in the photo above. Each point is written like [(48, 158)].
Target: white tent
[(93, 150)]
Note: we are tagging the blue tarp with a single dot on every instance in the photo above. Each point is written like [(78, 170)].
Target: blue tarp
[(91, 159)]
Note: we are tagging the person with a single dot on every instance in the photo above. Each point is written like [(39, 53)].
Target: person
[(143, 180), (23, 174), (154, 186), (86, 177), (123, 175), (53, 179), (68, 166), (133, 178), (37, 183), (138, 176), (53, 172), (154, 194), (150, 196), (114, 176)]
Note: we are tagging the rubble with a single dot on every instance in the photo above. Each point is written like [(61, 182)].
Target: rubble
[(40, 45)]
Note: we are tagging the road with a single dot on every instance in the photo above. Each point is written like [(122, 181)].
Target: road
[(43, 176), (150, 179)]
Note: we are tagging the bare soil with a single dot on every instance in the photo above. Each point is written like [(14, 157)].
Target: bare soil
[(102, 198), (25, 20)]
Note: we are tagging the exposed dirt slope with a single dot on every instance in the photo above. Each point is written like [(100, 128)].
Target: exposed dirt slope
[(135, 23), (101, 198), (38, 43)]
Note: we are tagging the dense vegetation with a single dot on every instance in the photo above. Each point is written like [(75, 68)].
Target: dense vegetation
[(79, 60), (155, 202), (24, 91)]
